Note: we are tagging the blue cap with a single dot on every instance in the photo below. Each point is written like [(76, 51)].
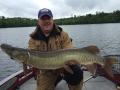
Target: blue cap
[(43, 12)]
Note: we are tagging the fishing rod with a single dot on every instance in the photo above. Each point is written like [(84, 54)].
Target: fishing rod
[(94, 76), (102, 74)]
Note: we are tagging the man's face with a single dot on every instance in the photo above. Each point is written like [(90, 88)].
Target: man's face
[(46, 23)]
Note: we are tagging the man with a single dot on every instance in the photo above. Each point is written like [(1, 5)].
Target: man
[(49, 37)]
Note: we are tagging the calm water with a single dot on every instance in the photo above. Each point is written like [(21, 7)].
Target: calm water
[(105, 36)]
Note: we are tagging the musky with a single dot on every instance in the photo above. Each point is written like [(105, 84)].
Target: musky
[(59, 8)]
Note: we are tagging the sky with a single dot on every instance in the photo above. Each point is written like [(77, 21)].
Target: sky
[(59, 8)]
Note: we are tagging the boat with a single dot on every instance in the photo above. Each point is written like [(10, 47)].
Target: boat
[(99, 81)]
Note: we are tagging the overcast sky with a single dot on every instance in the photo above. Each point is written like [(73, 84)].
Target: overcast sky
[(59, 8)]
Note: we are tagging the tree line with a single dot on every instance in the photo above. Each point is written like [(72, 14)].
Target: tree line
[(17, 22), (99, 17)]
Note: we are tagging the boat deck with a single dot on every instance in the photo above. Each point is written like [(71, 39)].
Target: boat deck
[(98, 83)]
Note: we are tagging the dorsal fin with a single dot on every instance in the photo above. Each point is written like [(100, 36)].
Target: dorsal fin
[(93, 49)]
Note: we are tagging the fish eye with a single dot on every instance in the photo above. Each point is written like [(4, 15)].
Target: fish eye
[(12, 48)]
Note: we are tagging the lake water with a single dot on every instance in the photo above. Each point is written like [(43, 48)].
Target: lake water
[(105, 36)]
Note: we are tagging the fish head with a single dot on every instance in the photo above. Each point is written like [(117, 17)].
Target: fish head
[(7, 49), (15, 53)]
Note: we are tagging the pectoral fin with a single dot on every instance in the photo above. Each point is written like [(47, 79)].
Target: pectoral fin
[(67, 68), (91, 68), (25, 68)]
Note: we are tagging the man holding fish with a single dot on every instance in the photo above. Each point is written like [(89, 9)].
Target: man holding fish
[(51, 50), (50, 37)]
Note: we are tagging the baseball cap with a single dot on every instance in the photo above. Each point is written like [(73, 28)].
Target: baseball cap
[(43, 12)]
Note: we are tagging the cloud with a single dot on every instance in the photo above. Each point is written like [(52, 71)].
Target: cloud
[(17, 8), (67, 8), (60, 8)]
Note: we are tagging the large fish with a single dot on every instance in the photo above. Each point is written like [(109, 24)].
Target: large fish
[(60, 58)]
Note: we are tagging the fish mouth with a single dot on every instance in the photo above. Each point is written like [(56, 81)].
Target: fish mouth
[(6, 48)]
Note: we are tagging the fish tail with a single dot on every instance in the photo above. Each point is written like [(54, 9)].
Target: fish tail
[(108, 66)]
